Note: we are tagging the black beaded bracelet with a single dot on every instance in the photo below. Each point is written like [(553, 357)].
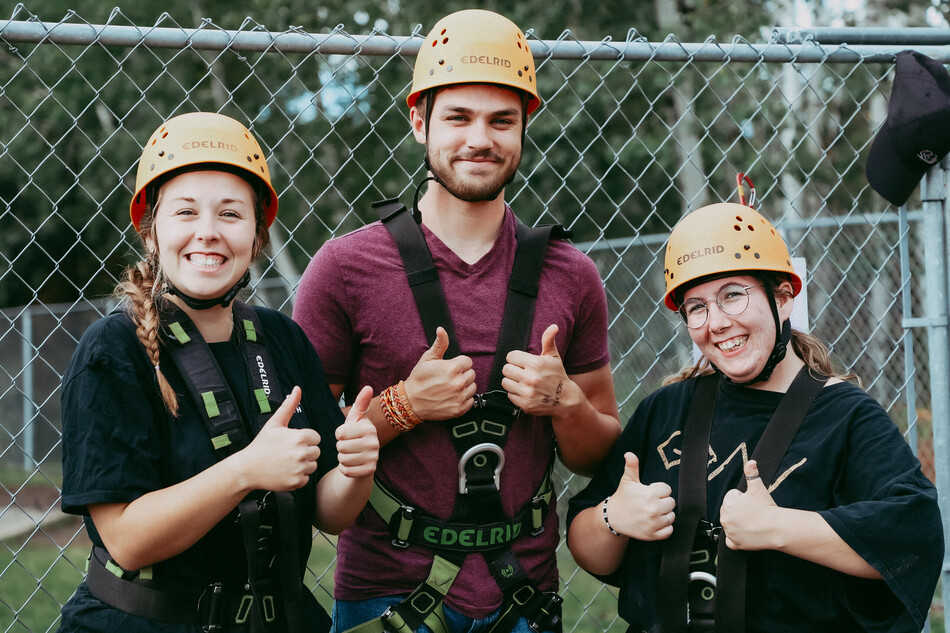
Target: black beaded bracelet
[(607, 521)]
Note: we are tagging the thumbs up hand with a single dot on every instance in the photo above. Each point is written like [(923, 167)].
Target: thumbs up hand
[(440, 388), (747, 517), (538, 384), (643, 512), (357, 446), (279, 458)]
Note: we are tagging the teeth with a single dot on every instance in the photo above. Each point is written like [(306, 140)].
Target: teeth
[(731, 344), (206, 260)]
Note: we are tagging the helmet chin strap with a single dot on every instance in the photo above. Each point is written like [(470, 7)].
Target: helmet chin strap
[(783, 334), (204, 304)]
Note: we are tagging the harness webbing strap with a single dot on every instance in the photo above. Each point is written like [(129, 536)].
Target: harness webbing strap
[(691, 498), (420, 270), (408, 526), (690, 506), (108, 586), (768, 455)]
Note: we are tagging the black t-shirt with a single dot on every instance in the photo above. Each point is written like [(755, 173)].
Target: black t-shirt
[(120, 443), (848, 462)]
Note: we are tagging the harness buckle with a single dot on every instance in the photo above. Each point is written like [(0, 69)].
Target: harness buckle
[(497, 405), (392, 621), (537, 509), (477, 453), (216, 601), (547, 616), (404, 518)]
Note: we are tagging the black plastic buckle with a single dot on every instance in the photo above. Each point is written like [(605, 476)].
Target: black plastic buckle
[(496, 405), (214, 607), (547, 616), (537, 505), (404, 514)]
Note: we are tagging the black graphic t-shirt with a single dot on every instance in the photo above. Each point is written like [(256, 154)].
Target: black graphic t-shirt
[(848, 461)]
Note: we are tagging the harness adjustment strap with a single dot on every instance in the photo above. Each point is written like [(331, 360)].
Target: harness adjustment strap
[(410, 614)]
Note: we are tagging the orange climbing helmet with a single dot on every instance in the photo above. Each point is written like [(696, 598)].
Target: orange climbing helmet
[(194, 139), (475, 46), (720, 239)]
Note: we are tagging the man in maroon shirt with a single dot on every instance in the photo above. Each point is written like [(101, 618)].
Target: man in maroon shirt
[(473, 89)]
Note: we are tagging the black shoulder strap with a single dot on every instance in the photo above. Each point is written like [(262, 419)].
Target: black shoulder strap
[(206, 382), (768, 454), (731, 566), (420, 270), (430, 298), (690, 505)]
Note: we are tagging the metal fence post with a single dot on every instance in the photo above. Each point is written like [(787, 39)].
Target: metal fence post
[(933, 197), (29, 406)]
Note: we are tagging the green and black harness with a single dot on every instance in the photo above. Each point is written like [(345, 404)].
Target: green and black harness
[(270, 599), (479, 524)]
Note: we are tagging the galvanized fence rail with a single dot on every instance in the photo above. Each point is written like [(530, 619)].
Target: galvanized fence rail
[(631, 135)]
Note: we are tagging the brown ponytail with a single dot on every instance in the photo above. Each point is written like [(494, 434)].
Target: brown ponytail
[(137, 289)]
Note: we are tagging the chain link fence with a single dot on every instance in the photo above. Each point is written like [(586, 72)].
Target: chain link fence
[(631, 135)]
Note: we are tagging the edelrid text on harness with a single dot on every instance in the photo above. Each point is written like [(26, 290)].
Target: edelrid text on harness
[(702, 582), (478, 523), (271, 598)]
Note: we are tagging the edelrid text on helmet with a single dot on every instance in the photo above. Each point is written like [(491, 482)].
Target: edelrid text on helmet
[(475, 46), (199, 138), (720, 239)]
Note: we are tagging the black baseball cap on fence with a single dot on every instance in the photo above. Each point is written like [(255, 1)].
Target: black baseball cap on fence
[(916, 134)]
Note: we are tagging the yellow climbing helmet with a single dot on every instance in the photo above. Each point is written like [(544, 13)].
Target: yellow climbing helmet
[(720, 239), (196, 138), (475, 46)]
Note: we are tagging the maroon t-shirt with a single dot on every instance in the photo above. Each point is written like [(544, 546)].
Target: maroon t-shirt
[(355, 305)]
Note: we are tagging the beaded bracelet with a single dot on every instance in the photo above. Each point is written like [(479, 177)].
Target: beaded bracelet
[(607, 521)]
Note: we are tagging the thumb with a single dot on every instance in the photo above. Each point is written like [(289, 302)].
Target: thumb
[(441, 344), (631, 467), (753, 480), (549, 342), (281, 417), (360, 405)]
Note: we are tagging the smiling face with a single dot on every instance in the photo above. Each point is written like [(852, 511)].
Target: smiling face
[(739, 345), (474, 139), (204, 231)]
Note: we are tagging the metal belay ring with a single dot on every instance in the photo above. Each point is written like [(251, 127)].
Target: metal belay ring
[(477, 452)]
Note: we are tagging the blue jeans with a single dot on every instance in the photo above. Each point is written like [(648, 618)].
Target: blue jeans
[(347, 614)]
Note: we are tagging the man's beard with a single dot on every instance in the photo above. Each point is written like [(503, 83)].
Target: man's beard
[(473, 188)]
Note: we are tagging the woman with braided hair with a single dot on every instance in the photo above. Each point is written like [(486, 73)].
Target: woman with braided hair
[(757, 490), (198, 431)]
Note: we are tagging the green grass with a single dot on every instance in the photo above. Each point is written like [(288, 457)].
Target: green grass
[(34, 582)]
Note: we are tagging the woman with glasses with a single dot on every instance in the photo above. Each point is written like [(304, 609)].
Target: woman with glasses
[(757, 490)]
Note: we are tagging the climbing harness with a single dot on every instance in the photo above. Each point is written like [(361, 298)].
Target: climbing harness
[(702, 582), (271, 597), (478, 523)]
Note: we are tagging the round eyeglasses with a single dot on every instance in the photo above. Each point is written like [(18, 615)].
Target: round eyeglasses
[(732, 299)]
